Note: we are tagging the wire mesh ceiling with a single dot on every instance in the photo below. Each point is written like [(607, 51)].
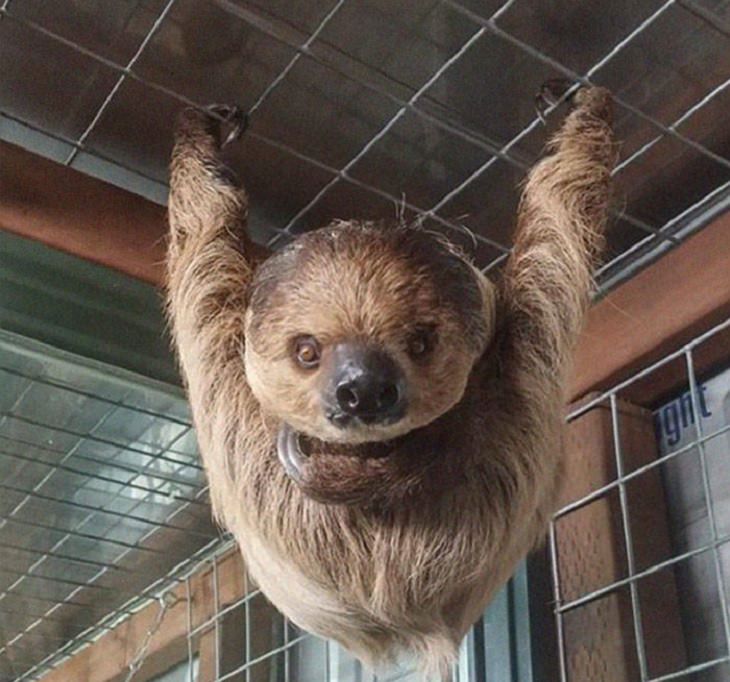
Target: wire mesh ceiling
[(359, 108)]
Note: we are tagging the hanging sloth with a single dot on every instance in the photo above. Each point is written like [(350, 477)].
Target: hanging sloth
[(380, 424)]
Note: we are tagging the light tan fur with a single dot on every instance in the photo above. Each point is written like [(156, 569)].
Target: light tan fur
[(411, 571)]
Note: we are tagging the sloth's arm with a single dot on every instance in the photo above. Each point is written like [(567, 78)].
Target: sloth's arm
[(210, 259), (548, 278)]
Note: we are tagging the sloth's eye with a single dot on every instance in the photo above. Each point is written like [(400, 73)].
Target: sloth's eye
[(421, 342), (307, 352)]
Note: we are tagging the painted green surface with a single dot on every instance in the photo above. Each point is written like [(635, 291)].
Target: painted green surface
[(83, 308)]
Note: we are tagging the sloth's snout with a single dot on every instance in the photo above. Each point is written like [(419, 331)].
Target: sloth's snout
[(367, 386)]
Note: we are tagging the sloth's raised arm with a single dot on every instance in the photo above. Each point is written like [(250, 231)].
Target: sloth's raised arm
[(562, 216), (209, 262)]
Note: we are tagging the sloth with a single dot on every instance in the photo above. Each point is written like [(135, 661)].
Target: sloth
[(379, 422)]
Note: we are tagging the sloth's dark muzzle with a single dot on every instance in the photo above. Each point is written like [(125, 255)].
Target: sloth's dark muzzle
[(367, 388)]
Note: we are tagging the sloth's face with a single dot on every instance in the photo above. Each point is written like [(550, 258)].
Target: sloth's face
[(359, 334)]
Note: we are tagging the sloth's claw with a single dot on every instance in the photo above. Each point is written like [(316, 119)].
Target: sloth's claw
[(551, 93), (230, 115)]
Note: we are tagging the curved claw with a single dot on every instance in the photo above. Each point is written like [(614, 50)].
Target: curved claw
[(233, 116), (551, 93)]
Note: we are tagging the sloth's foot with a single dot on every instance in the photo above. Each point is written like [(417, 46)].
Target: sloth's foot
[(591, 98), (231, 117)]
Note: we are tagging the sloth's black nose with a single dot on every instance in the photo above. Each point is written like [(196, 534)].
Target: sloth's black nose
[(367, 396), (367, 384)]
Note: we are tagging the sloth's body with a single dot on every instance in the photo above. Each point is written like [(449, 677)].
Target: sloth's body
[(396, 528)]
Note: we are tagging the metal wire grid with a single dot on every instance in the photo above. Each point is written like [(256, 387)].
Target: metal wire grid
[(100, 495), (270, 647), (634, 574), (266, 645), (665, 236)]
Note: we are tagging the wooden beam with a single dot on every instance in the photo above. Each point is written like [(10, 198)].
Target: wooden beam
[(81, 215), (666, 305)]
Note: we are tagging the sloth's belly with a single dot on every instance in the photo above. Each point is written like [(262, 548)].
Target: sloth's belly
[(303, 601)]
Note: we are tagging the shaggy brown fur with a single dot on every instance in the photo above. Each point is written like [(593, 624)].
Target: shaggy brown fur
[(396, 537)]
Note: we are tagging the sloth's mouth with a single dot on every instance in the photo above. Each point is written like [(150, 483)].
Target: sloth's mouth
[(334, 473), (344, 421)]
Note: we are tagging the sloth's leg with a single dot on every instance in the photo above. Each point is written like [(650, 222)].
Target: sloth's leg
[(204, 197), (546, 288), (562, 215), (209, 263)]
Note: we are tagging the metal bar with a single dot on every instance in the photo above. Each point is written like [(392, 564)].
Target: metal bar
[(257, 136), (648, 370), (189, 600), (600, 492), (72, 143), (205, 624), (602, 591), (246, 667), (85, 536), (709, 499), (65, 557), (178, 574), (120, 80), (107, 479), (100, 510), (136, 546), (699, 667), (216, 609), (47, 600), (569, 73), (287, 656), (303, 49), (46, 381), (247, 641), (343, 172), (50, 619), (83, 436), (154, 457), (645, 243), (629, 542), (555, 575), (62, 581)]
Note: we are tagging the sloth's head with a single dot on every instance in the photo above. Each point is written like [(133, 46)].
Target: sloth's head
[(358, 333)]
